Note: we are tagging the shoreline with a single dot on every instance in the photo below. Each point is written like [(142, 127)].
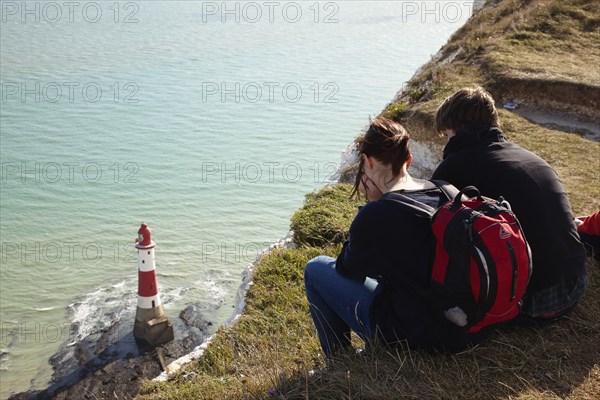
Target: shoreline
[(22, 380), (146, 364), (348, 159), (239, 304), (558, 364), (247, 276), (108, 362), (114, 362)]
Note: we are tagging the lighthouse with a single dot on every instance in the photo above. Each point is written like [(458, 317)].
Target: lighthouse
[(151, 323)]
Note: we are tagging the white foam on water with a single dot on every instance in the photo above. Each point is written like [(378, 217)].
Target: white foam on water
[(171, 274), (215, 290), (110, 305), (247, 275), (41, 309), (100, 309), (4, 359), (183, 208), (119, 285)]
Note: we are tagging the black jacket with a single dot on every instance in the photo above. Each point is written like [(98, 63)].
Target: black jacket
[(394, 246), (482, 157)]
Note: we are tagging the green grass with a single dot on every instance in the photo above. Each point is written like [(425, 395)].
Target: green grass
[(396, 110), (324, 220), (271, 342), (269, 352)]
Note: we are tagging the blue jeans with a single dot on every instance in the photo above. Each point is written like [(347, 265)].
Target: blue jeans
[(338, 304)]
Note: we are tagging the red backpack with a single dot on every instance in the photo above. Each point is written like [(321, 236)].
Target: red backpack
[(482, 261)]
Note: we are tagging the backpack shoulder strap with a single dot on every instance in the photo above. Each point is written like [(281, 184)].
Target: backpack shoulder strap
[(411, 205), (447, 188), (422, 209)]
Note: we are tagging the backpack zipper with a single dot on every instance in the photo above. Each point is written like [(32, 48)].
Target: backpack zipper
[(513, 261), (496, 224), (486, 269)]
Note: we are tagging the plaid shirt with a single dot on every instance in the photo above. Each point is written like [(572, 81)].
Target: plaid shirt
[(550, 302)]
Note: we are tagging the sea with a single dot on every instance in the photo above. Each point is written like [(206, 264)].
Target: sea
[(207, 120)]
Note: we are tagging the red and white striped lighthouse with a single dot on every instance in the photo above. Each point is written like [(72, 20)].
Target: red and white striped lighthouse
[(151, 323)]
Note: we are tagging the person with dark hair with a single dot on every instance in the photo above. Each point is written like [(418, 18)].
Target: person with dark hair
[(478, 154), (376, 286)]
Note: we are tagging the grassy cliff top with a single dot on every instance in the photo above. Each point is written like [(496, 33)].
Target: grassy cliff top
[(530, 49), (540, 39), (542, 53)]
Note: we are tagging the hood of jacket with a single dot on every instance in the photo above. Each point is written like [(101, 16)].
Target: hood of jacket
[(470, 135)]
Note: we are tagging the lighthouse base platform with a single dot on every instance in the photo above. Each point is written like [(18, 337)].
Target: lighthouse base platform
[(153, 326)]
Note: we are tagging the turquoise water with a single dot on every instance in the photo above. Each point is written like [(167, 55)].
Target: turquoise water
[(172, 113)]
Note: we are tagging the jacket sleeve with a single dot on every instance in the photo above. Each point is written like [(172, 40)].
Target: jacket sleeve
[(359, 250), (591, 224)]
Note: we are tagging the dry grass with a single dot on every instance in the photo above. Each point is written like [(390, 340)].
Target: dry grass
[(269, 352), (272, 348), (543, 39), (487, 51), (576, 160)]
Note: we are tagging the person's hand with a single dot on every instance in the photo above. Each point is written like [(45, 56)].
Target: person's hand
[(369, 188)]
